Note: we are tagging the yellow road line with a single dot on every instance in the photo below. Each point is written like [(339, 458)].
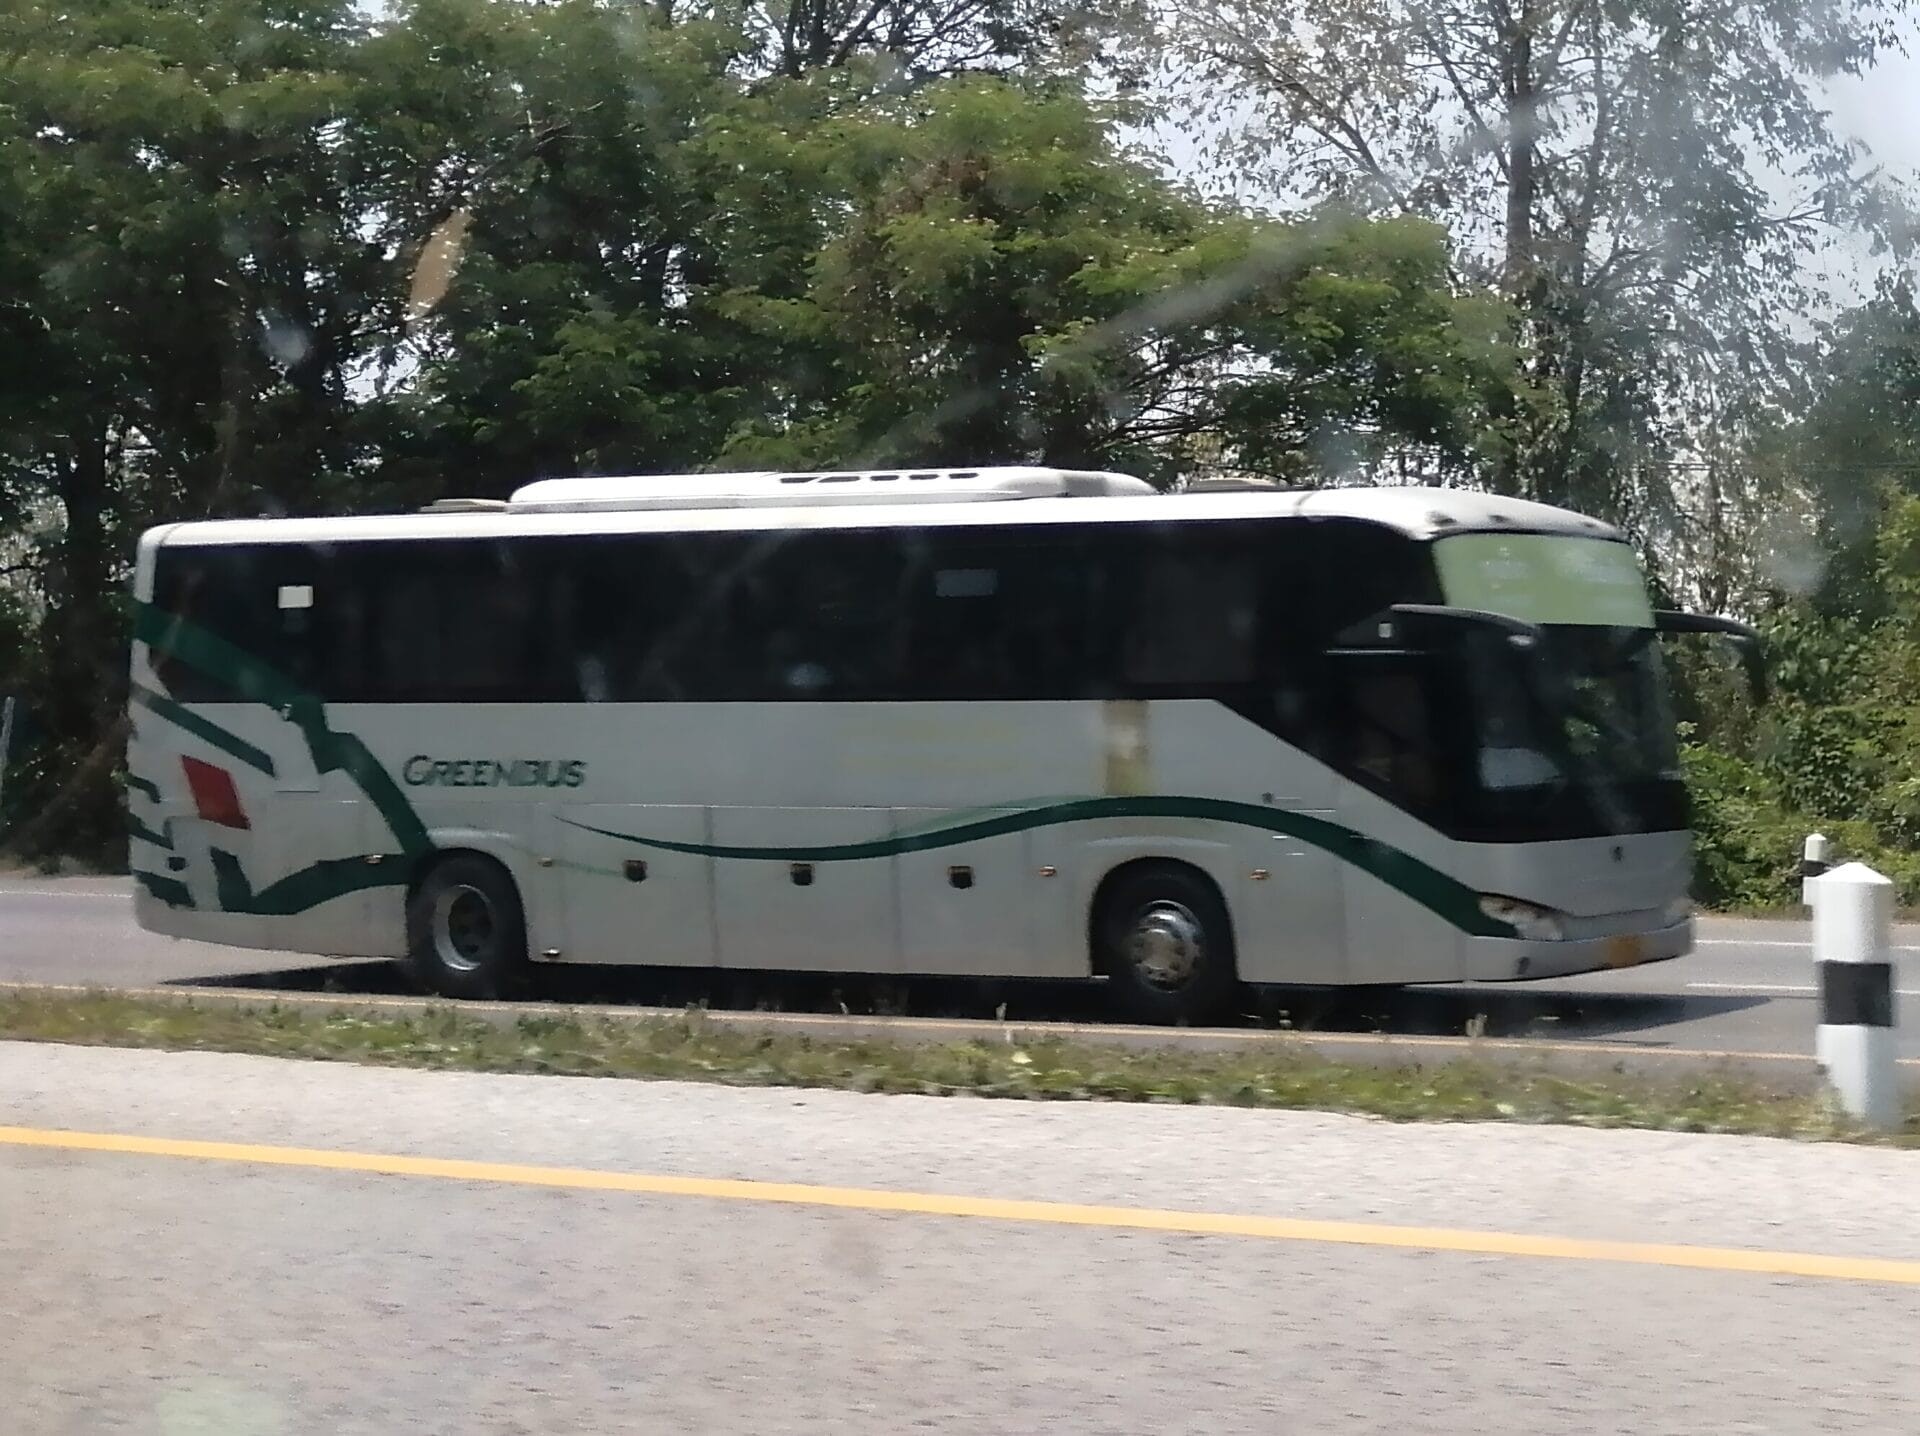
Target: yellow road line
[(861, 1199)]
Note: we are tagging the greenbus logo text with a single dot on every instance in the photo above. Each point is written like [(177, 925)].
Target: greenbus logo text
[(429, 772)]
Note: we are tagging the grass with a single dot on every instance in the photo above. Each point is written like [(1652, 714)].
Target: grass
[(1283, 1075)]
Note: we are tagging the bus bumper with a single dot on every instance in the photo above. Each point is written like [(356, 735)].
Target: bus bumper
[(1503, 959)]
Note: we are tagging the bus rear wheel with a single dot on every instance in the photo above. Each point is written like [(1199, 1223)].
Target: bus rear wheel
[(466, 931), (1165, 941)]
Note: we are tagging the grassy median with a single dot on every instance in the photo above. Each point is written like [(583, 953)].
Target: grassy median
[(1283, 1074)]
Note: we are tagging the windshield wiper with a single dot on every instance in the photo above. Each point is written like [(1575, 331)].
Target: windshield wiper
[(1519, 632)]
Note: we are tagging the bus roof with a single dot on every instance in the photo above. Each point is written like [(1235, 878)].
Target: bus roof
[(1417, 512), (772, 490)]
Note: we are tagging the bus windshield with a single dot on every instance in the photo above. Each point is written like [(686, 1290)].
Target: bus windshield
[(1578, 727), (1582, 724), (1572, 737)]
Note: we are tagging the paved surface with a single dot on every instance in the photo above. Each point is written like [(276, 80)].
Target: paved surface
[(158, 1294), (1747, 989)]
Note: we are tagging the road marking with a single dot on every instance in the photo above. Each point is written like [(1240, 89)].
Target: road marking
[(1779, 988), (1776, 942), (998, 1209), (125, 897)]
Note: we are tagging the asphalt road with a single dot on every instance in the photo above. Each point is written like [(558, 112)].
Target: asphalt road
[(948, 1264), (1748, 988)]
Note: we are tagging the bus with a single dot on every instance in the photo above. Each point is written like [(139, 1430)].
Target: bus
[(993, 723)]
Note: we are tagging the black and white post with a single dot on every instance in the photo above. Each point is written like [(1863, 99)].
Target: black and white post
[(1813, 862), (1852, 951)]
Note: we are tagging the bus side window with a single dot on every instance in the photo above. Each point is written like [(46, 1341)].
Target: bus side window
[(987, 617), (1390, 738), (454, 623), (815, 617), (1196, 619), (599, 617), (187, 590), (1366, 711), (961, 638), (259, 600)]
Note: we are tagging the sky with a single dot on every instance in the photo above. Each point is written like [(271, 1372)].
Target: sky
[(1883, 109)]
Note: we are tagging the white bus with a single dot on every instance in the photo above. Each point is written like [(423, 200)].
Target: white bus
[(1013, 722)]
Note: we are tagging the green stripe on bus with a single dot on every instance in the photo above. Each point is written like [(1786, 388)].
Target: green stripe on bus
[(232, 744), (297, 892), (142, 786), (259, 682), (170, 891), (140, 832), (1441, 895)]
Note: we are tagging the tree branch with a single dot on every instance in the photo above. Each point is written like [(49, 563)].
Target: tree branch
[(1483, 131), (851, 40), (1324, 119)]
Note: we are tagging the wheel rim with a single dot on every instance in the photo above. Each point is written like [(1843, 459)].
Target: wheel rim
[(1166, 945), (465, 930)]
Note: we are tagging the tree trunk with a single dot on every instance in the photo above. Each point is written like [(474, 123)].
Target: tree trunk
[(1522, 158), (1518, 269), (85, 683), (80, 626)]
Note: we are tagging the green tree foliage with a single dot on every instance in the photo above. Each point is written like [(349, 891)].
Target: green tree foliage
[(185, 298), (1006, 286), (1833, 567), (1834, 750)]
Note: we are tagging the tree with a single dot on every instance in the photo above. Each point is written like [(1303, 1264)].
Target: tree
[(1858, 444), (557, 138), (637, 177), (1839, 591), (185, 308), (1007, 286), (1646, 182)]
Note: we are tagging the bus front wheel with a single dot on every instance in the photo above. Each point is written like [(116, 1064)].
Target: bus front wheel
[(1166, 944), (466, 932)]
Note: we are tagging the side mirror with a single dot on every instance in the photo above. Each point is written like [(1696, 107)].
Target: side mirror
[(1744, 637)]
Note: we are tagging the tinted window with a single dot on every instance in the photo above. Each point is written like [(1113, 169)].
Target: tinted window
[(631, 621), (816, 616), (272, 604), (448, 622), (1242, 612), (371, 622), (1000, 615), (1194, 611)]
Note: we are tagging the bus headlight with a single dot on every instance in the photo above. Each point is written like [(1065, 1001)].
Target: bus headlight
[(1528, 920)]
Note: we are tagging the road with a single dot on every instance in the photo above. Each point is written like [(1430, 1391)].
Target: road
[(1747, 989), (372, 1251)]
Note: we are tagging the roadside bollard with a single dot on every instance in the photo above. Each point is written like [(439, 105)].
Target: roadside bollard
[(1852, 951), (1813, 862)]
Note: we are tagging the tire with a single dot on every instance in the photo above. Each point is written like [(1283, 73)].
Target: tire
[(466, 930), (1163, 937)]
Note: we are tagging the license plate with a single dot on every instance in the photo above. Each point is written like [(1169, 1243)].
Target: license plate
[(1625, 951)]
